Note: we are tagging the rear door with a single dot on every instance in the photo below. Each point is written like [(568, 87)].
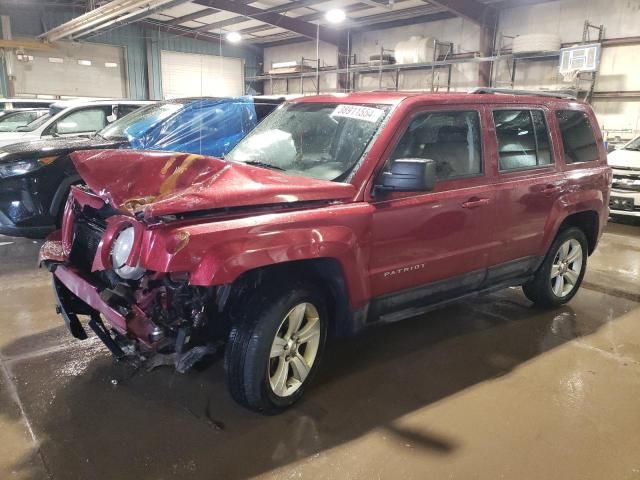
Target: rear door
[(430, 245), (528, 184)]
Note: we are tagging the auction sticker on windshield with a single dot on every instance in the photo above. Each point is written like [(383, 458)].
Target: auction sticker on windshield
[(358, 112)]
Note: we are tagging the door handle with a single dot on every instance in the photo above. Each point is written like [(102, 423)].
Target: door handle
[(475, 202)]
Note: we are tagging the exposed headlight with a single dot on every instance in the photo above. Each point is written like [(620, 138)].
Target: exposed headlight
[(21, 167), (120, 251)]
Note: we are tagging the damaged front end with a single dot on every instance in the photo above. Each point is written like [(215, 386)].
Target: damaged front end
[(155, 316)]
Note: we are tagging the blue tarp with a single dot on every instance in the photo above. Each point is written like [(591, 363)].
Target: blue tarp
[(205, 126)]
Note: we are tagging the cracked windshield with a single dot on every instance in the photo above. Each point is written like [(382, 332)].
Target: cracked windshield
[(317, 140)]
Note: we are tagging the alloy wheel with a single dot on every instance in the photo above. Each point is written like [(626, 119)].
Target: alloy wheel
[(566, 268), (294, 349)]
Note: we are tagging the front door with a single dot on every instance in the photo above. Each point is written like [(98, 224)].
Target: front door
[(427, 246)]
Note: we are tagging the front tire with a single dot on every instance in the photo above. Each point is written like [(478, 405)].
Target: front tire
[(560, 275), (275, 347)]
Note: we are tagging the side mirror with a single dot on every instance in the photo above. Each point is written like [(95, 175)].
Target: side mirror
[(408, 175)]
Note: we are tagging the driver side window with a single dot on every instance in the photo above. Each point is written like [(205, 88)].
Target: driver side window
[(451, 139), (88, 120)]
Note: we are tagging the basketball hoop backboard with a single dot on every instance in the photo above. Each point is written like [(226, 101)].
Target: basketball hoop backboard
[(579, 58)]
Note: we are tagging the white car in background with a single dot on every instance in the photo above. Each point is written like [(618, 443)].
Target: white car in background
[(625, 191), (20, 103), (72, 118)]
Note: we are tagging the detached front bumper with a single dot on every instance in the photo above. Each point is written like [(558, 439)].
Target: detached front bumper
[(78, 295)]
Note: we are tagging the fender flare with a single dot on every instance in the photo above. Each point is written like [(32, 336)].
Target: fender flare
[(570, 204)]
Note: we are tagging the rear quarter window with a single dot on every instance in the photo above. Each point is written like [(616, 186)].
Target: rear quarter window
[(579, 142)]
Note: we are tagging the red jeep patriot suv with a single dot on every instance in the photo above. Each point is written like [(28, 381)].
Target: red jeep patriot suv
[(337, 212)]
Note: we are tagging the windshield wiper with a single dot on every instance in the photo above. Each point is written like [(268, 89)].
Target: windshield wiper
[(257, 163)]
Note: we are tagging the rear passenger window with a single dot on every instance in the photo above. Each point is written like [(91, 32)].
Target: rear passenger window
[(523, 139), (451, 139), (577, 136)]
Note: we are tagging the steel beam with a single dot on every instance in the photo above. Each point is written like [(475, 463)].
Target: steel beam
[(363, 23), (471, 10), (153, 25), (307, 18), (192, 16), (292, 24), (243, 18)]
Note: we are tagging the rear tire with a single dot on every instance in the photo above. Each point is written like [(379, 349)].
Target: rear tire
[(560, 275), (275, 346)]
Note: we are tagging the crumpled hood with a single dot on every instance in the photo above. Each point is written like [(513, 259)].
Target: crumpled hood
[(164, 183)]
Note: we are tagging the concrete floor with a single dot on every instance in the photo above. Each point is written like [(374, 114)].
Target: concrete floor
[(485, 389)]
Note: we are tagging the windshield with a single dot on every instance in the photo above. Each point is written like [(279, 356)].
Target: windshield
[(11, 121), (139, 121), (35, 124), (317, 140), (633, 145)]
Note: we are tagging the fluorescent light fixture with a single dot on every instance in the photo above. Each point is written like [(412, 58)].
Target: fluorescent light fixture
[(85, 63), (234, 37), (110, 65), (56, 60), (335, 15)]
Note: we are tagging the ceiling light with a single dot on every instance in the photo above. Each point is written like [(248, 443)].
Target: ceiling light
[(234, 37), (335, 15)]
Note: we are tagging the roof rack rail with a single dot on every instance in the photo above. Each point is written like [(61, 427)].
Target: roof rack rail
[(535, 93)]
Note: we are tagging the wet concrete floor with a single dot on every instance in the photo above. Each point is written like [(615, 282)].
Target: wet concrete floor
[(487, 388)]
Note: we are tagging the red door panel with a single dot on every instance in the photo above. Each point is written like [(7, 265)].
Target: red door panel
[(421, 239)]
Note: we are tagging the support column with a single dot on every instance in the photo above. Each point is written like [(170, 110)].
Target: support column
[(488, 29), (344, 53), (9, 57)]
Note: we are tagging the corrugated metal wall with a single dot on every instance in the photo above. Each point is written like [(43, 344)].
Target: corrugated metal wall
[(29, 22)]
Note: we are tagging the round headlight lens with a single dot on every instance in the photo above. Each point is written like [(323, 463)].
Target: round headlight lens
[(120, 252)]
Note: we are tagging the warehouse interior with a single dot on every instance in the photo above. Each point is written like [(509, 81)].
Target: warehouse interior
[(489, 386)]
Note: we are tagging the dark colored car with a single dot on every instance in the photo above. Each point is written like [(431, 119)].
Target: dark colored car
[(35, 177), (334, 214)]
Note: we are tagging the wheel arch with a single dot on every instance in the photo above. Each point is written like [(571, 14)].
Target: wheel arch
[(588, 221), (60, 195), (325, 272)]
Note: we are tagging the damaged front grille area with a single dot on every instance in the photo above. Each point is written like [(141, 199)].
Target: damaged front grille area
[(89, 226), (86, 238), (158, 316)]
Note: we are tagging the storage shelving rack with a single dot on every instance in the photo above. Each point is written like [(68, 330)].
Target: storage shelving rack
[(446, 61), (442, 61)]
